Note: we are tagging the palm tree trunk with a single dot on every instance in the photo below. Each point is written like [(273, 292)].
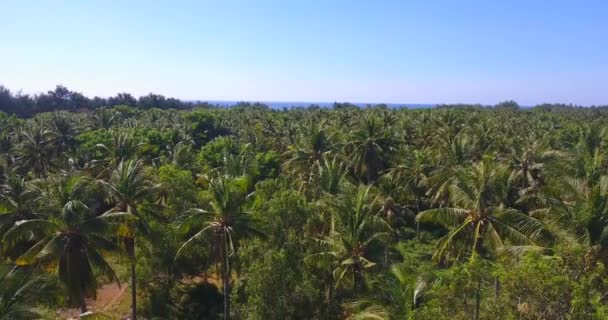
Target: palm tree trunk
[(226, 284), (417, 212), (133, 291), (370, 169), (83, 305), (357, 280), (225, 279), (477, 300), (131, 252), (386, 256), (370, 176)]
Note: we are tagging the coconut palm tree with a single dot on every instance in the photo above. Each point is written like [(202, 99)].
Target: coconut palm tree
[(65, 130), (241, 164), (328, 178), (303, 157), (358, 228), (72, 238), (17, 202), (103, 118), (370, 147), (591, 137), (122, 147), (394, 298), (478, 219), (128, 187), (20, 293), (578, 212), (6, 145), (529, 163), (226, 222), (452, 154), (412, 174), (35, 150)]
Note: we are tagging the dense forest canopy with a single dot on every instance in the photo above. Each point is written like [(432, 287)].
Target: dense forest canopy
[(455, 212)]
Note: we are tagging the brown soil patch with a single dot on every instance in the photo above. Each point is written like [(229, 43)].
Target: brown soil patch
[(109, 298)]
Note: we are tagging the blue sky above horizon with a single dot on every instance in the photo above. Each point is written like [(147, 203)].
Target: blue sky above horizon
[(359, 51)]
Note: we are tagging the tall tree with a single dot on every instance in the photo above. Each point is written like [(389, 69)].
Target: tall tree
[(308, 153), (369, 148), (225, 220), (35, 150), (71, 238), (128, 187), (17, 202), (20, 293), (358, 228), (478, 219)]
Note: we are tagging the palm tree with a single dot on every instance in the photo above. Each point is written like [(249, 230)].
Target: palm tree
[(6, 146), (17, 199), (35, 150), (329, 178), (412, 174), (122, 147), (71, 238), (591, 137), (394, 297), (20, 293), (574, 208), (453, 153), (241, 164), (529, 164), (370, 147), (358, 228), (308, 153), (103, 118), (65, 131), (127, 187), (412, 177), (479, 219), (226, 222), (330, 174)]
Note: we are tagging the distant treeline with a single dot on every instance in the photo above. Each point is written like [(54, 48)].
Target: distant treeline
[(61, 98)]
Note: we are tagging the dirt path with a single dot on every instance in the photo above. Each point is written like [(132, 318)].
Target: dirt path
[(109, 299)]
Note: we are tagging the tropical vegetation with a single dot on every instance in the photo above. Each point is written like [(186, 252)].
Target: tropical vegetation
[(343, 212)]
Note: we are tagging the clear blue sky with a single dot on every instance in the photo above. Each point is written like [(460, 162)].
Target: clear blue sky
[(359, 51)]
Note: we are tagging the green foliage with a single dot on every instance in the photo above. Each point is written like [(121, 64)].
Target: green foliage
[(88, 142), (280, 212), (269, 164), (205, 126), (278, 278), (314, 213), (178, 187), (21, 291), (212, 154)]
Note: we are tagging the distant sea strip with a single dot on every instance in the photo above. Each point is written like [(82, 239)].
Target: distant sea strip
[(304, 104)]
